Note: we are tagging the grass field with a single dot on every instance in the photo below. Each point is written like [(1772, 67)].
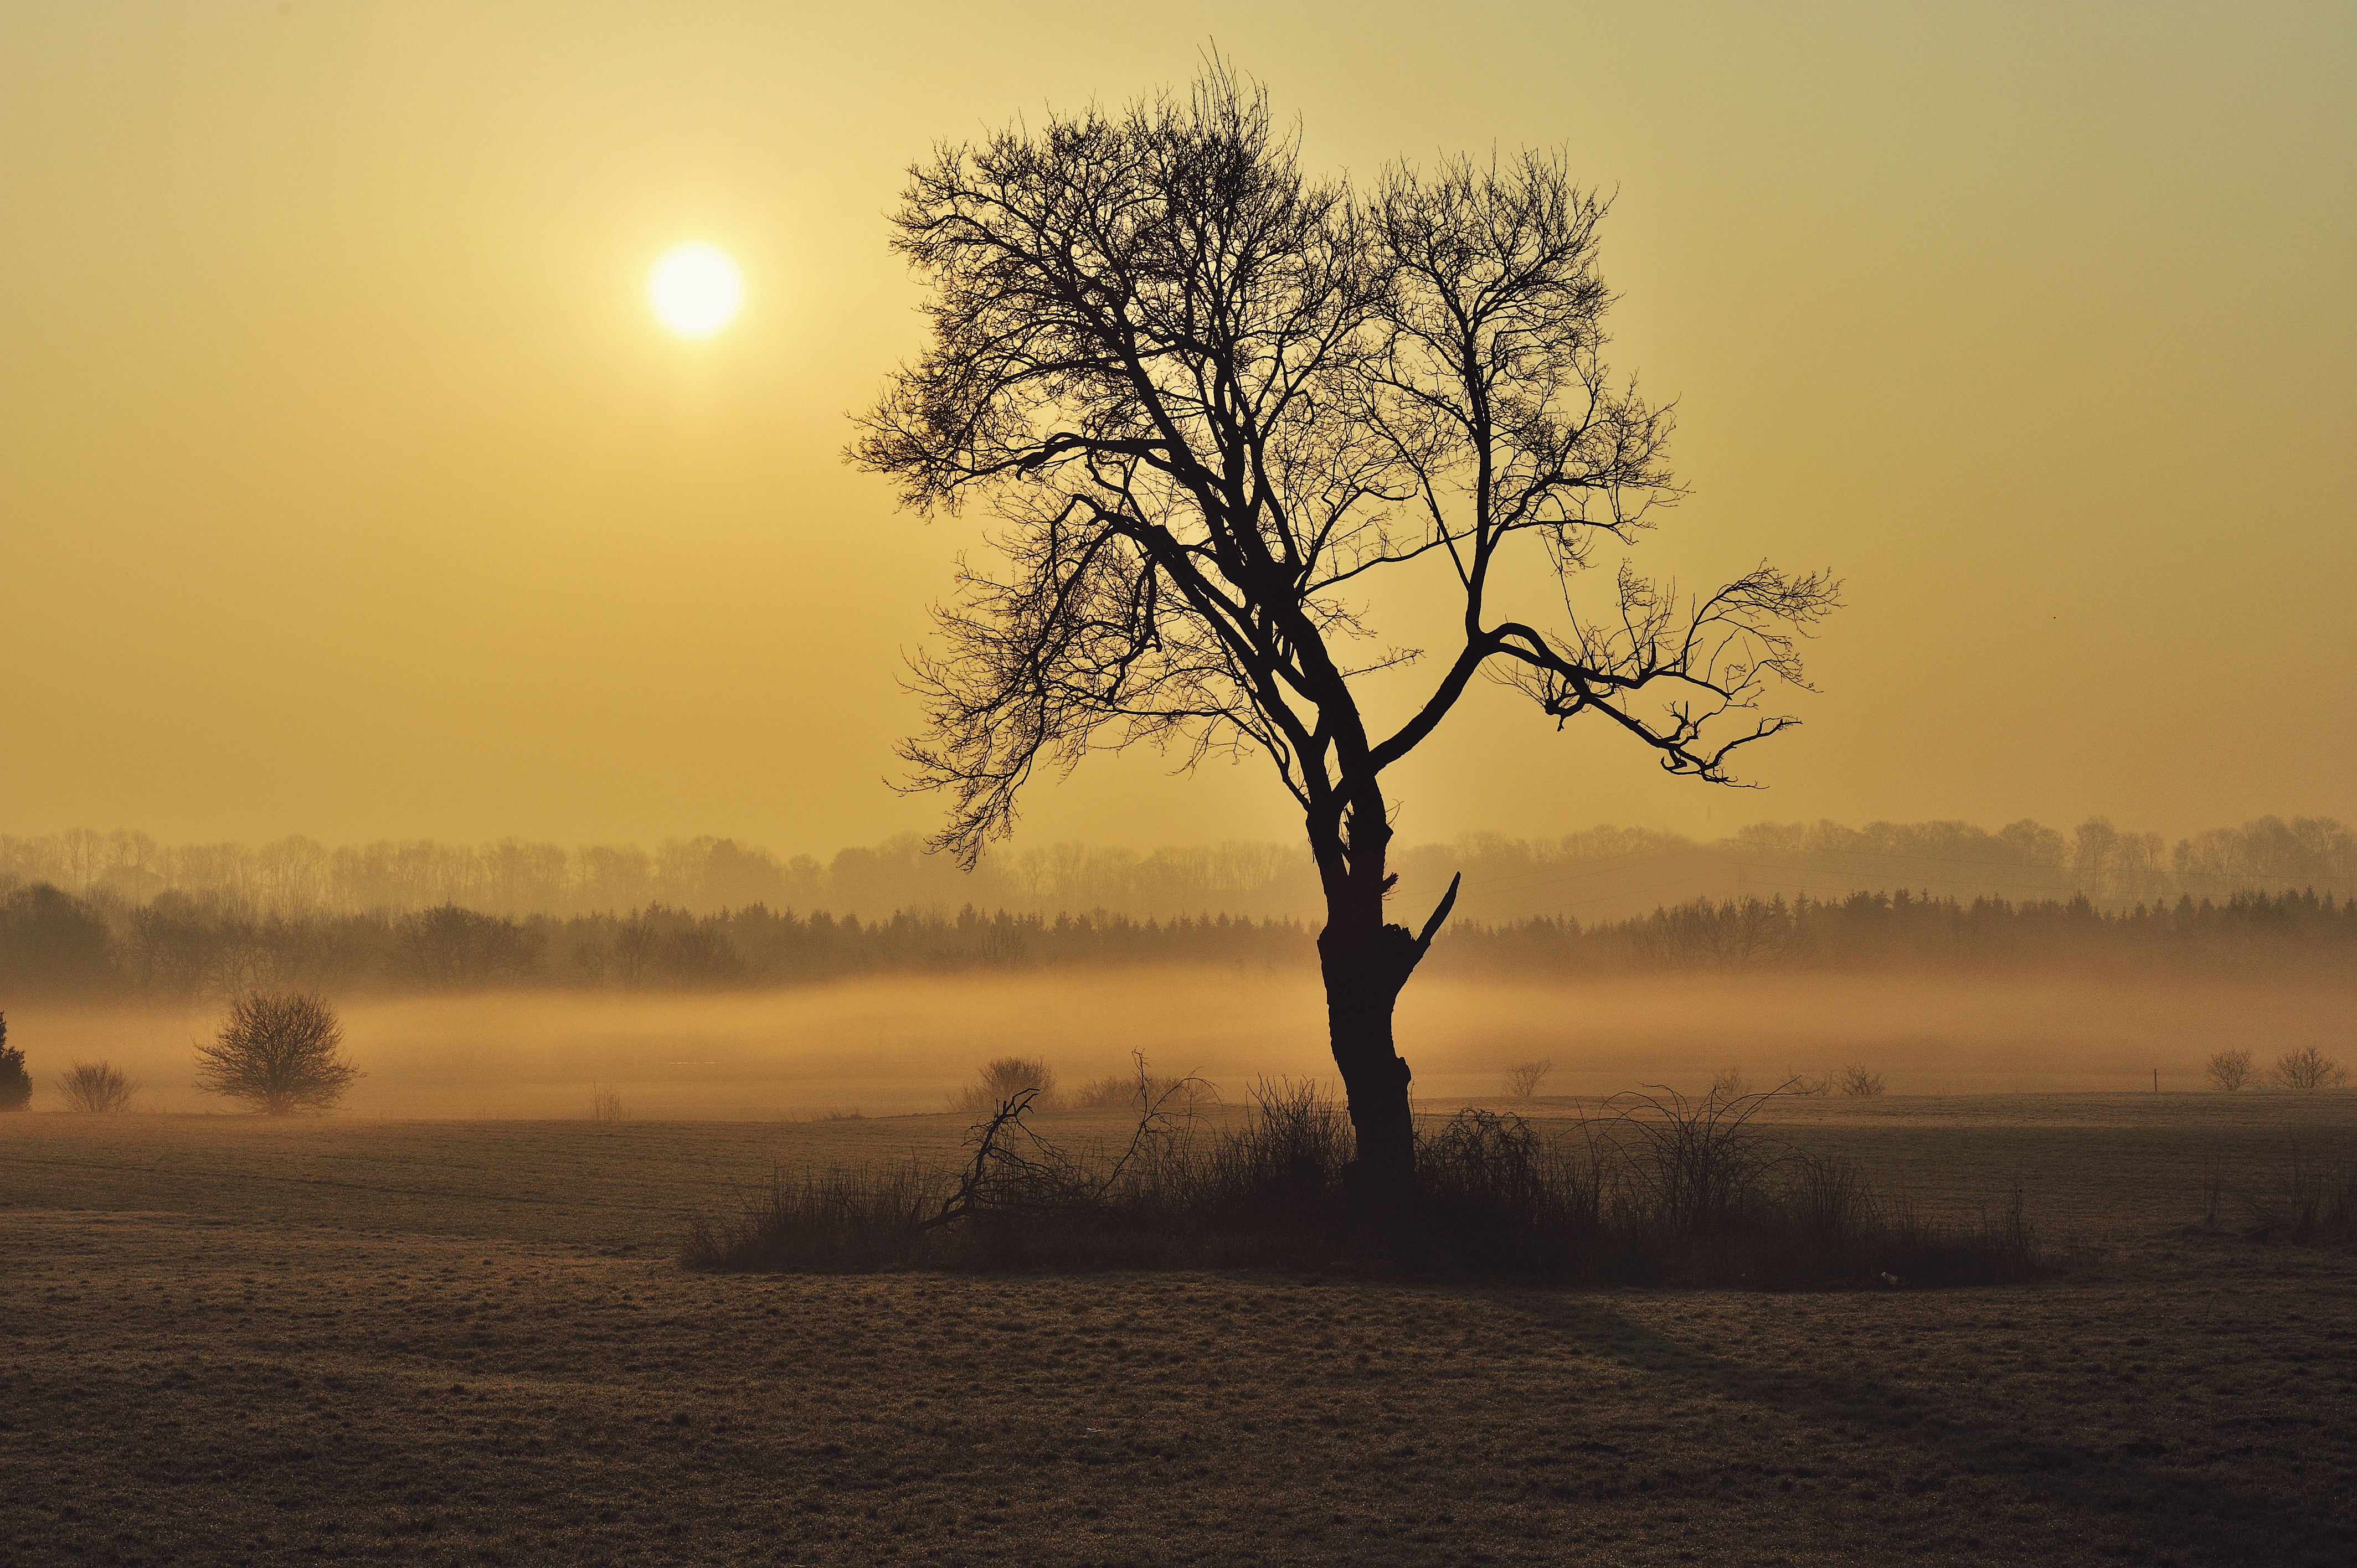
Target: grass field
[(230, 1340)]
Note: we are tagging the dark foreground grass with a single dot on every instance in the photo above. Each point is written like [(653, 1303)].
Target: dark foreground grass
[(431, 1345), (1661, 1190), (192, 1391)]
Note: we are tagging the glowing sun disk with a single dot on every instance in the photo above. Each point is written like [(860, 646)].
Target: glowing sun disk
[(696, 290)]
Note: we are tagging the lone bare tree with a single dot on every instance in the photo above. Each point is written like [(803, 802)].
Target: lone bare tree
[(2230, 1069), (1216, 404), (2309, 1067), (1523, 1078), (280, 1054)]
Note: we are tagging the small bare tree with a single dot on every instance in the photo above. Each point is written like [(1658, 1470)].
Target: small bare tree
[(2231, 1069), (1858, 1083), (1731, 1084), (1523, 1080), (2309, 1067), (97, 1089), (279, 1053), (1217, 405), (605, 1106)]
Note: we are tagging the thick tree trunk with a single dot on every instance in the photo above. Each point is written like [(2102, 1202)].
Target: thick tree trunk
[(1366, 961), (1362, 962)]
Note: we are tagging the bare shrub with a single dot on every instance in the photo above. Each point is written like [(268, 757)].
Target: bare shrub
[(2307, 1067), (839, 1222), (1003, 1078), (1857, 1082), (16, 1083), (1492, 1189), (1126, 1090), (1701, 1163), (1663, 1190), (1523, 1080), (96, 1088), (1286, 1159), (2231, 1070), (1098, 1094), (1808, 1085), (279, 1053), (1731, 1084), (2303, 1200), (605, 1106), (1016, 1174), (2322, 1199)]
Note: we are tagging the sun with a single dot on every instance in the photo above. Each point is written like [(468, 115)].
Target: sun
[(696, 290)]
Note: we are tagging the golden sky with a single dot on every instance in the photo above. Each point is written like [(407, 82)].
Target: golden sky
[(349, 487)]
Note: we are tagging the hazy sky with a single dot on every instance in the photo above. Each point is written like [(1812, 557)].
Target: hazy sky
[(349, 487)]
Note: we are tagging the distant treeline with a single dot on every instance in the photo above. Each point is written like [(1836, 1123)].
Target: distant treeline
[(181, 949), (2251, 933), (1600, 874)]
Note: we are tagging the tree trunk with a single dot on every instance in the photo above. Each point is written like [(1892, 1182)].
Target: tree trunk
[(1365, 963)]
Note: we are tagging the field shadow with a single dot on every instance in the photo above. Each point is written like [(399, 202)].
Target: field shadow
[(2153, 1510)]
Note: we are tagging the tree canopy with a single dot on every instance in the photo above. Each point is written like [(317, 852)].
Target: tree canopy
[(1210, 398)]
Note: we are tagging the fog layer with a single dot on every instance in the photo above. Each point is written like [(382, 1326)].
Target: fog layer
[(900, 1045)]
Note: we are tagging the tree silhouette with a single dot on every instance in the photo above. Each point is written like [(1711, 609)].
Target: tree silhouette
[(16, 1083), (1215, 405)]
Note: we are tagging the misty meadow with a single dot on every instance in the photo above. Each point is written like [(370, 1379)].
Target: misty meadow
[(859, 751)]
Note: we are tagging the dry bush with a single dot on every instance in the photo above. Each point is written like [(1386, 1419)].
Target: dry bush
[(16, 1083), (840, 1221), (1523, 1080), (2307, 1067), (96, 1088), (279, 1053), (1702, 1161), (1731, 1084), (1857, 1082), (605, 1106), (1126, 1089), (1662, 1189), (2303, 1200), (1807, 1085), (2231, 1070), (1003, 1078), (1111, 1090)]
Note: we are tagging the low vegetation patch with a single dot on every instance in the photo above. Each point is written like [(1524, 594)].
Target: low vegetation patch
[(1660, 1189), (2303, 1199)]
